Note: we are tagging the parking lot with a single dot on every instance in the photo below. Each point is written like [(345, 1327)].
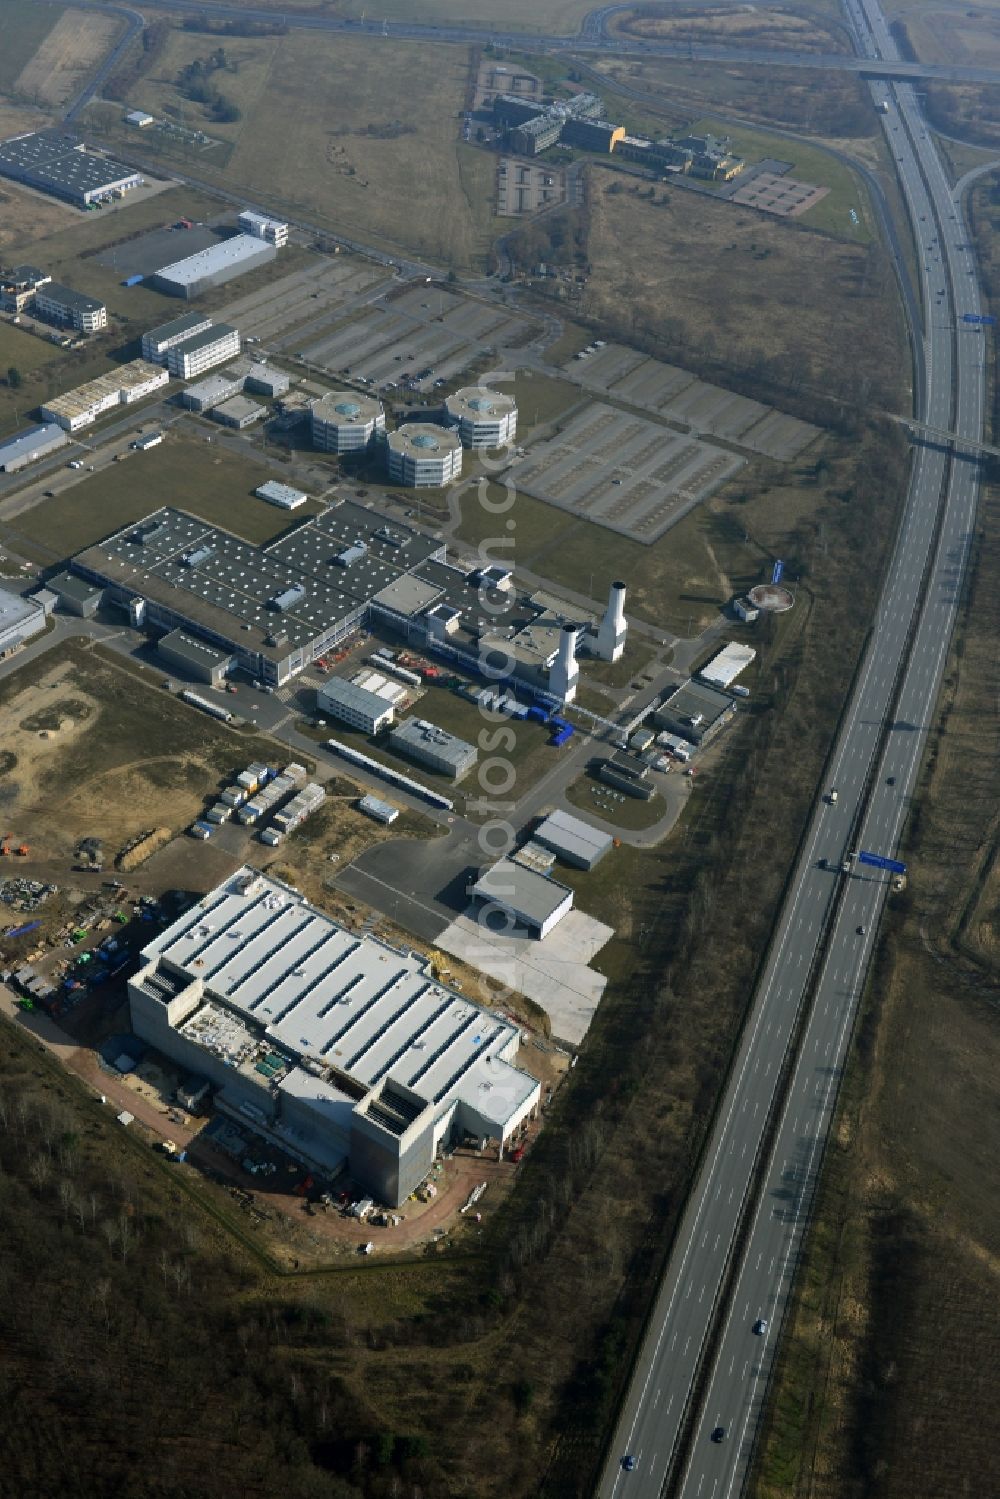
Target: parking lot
[(314, 296), (623, 472), (675, 394)]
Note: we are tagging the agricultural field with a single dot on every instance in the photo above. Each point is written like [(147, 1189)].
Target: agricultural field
[(242, 80), (23, 29), (211, 482), (66, 57), (734, 276), (938, 33), (769, 27), (558, 17)]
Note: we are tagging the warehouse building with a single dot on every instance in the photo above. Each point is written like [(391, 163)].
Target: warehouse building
[(238, 412), (421, 454), (428, 745), (262, 380), (30, 445), (18, 287), (357, 706), (119, 387), (695, 711), (157, 343), (262, 226), (333, 1045), (484, 418), (277, 607), (215, 266), (211, 391), (728, 664), (573, 840), (61, 304), (57, 163), (282, 495), (76, 595), (20, 619), (195, 658), (344, 422), (523, 896), (191, 357)]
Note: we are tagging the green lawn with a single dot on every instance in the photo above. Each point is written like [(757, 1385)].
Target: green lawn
[(23, 28), (24, 351), (208, 481), (630, 814)]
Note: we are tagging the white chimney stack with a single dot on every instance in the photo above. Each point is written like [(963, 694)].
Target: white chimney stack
[(564, 672), (613, 629)]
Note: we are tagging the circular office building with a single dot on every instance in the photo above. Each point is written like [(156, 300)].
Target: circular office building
[(344, 421), (421, 453), (771, 598), (484, 418)]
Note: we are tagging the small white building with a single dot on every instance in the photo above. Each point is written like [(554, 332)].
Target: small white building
[(727, 664), (422, 454), (525, 897), (139, 118), (484, 418), (357, 706), (282, 495), (262, 226)]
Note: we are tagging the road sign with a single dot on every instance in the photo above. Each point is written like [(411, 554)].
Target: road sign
[(979, 318), (878, 862), (779, 568)]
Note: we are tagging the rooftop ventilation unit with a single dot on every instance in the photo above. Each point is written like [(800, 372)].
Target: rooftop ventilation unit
[(198, 556)]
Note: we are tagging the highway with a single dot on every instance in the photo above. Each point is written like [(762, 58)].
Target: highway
[(703, 1370)]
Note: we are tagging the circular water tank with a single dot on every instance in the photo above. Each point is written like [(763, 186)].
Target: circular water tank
[(425, 440), (771, 597)]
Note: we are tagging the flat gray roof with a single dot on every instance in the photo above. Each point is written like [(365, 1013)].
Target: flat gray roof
[(14, 609), (692, 697), (564, 833), (420, 734), (198, 652), (521, 889), (350, 695), (188, 321), (239, 407), (56, 292), (74, 587), (33, 440), (228, 252), (341, 999), (204, 339)]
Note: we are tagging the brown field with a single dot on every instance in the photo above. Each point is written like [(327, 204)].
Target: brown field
[(712, 281), (769, 27), (956, 34), (72, 49), (242, 81)]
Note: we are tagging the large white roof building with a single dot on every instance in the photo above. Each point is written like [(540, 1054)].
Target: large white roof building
[(339, 1047)]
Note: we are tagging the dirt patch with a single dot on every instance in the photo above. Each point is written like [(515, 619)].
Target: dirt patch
[(70, 52)]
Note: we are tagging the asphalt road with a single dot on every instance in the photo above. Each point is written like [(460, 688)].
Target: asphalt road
[(827, 929)]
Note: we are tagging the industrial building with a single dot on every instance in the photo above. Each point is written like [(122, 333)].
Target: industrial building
[(76, 595), (282, 495), (262, 380), (277, 607), (30, 445), (195, 658), (336, 1047), (484, 418), (523, 895), (428, 745), (728, 664), (215, 266), (573, 840), (238, 412), (57, 163), (344, 422), (61, 304), (262, 226), (20, 619), (377, 809), (202, 351), (357, 706), (120, 387), (695, 711), (423, 454), (18, 287), (211, 391), (157, 343)]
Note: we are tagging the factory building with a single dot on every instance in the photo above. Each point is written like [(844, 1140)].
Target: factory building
[(573, 840), (433, 747), (30, 445), (238, 412), (484, 418), (276, 608), (119, 387), (522, 896), (332, 1045), (215, 266), (61, 304), (694, 711), (262, 380), (191, 357), (59, 164), (195, 658), (423, 454), (18, 287), (20, 619), (262, 226), (344, 422), (357, 706), (157, 343), (76, 595)]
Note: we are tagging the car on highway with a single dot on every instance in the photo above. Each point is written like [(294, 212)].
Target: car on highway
[(719, 1434), (861, 931), (832, 796), (628, 1463), (890, 781), (760, 1326)]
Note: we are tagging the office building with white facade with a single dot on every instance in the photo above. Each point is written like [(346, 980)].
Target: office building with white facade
[(119, 387), (335, 1046), (203, 351), (345, 422), (420, 454), (157, 343), (354, 705), (484, 418), (61, 304)]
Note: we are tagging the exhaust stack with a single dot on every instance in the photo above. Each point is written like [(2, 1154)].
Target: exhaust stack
[(613, 629), (564, 671)]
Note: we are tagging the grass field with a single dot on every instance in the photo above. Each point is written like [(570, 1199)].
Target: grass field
[(591, 796), (243, 80), (210, 482), (24, 351), (23, 28), (556, 16), (765, 26), (734, 277)]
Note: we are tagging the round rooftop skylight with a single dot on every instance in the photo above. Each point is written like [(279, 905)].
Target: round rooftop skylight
[(347, 408), (480, 403), (425, 440)]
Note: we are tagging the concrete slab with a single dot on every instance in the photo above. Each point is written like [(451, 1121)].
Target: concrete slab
[(553, 972)]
